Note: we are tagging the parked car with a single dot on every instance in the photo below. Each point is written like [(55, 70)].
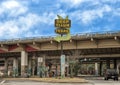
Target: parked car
[(111, 74)]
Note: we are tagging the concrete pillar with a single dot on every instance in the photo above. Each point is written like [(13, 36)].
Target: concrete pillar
[(15, 63), (96, 69), (118, 67), (24, 62), (40, 66), (101, 63), (108, 64), (6, 65), (33, 65), (115, 64), (15, 67), (30, 66), (67, 65), (30, 63), (43, 60)]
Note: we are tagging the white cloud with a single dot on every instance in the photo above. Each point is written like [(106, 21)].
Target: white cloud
[(8, 29), (110, 1), (89, 15), (10, 4), (73, 3), (12, 8), (49, 17), (23, 25), (17, 27), (77, 3), (26, 22)]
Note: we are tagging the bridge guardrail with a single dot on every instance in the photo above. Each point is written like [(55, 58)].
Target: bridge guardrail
[(80, 35)]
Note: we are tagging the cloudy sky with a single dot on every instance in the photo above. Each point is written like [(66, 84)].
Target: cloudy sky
[(33, 18)]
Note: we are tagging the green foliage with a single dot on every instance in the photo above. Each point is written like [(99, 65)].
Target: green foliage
[(15, 72), (74, 68)]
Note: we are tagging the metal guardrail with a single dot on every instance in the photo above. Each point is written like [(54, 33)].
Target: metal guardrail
[(80, 35), (98, 34)]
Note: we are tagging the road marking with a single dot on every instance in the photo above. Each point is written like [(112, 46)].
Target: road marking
[(2, 82)]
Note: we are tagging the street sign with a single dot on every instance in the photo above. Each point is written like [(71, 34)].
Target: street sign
[(40, 59)]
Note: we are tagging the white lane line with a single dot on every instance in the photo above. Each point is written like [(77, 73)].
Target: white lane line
[(2, 82)]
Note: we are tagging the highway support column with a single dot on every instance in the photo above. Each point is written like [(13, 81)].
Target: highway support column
[(118, 67), (6, 66), (101, 63), (15, 67), (24, 63), (30, 67), (108, 63), (96, 68), (115, 63)]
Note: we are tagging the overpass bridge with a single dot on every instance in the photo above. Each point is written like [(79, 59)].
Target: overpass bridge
[(95, 51)]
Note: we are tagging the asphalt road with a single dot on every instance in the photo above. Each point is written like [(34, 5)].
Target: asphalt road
[(91, 82)]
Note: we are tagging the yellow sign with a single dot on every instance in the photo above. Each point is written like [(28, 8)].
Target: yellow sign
[(62, 31), (62, 23), (62, 28)]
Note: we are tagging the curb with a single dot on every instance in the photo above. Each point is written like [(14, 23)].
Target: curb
[(48, 81)]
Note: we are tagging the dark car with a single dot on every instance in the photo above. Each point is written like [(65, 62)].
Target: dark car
[(111, 74)]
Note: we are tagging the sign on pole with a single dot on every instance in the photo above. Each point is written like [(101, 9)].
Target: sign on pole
[(40, 59), (62, 28)]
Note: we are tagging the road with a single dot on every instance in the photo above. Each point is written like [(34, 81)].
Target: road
[(91, 82)]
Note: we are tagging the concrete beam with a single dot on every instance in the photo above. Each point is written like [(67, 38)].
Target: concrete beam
[(54, 43), (100, 56), (94, 41), (37, 45), (51, 41), (21, 45), (4, 47), (71, 40)]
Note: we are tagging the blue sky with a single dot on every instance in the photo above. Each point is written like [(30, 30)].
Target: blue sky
[(33, 18)]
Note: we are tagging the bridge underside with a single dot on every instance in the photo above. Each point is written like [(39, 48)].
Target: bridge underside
[(91, 61), (95, 53), (79, 53)]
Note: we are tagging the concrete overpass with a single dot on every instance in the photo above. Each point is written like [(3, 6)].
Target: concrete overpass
[(104, 47)]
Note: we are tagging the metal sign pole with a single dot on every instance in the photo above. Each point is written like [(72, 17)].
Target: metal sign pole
[(62, 28), (61, 46)]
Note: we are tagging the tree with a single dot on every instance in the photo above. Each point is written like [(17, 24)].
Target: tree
[(74, 68)]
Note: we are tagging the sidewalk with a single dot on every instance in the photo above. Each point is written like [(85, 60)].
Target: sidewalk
[(52, 80)]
